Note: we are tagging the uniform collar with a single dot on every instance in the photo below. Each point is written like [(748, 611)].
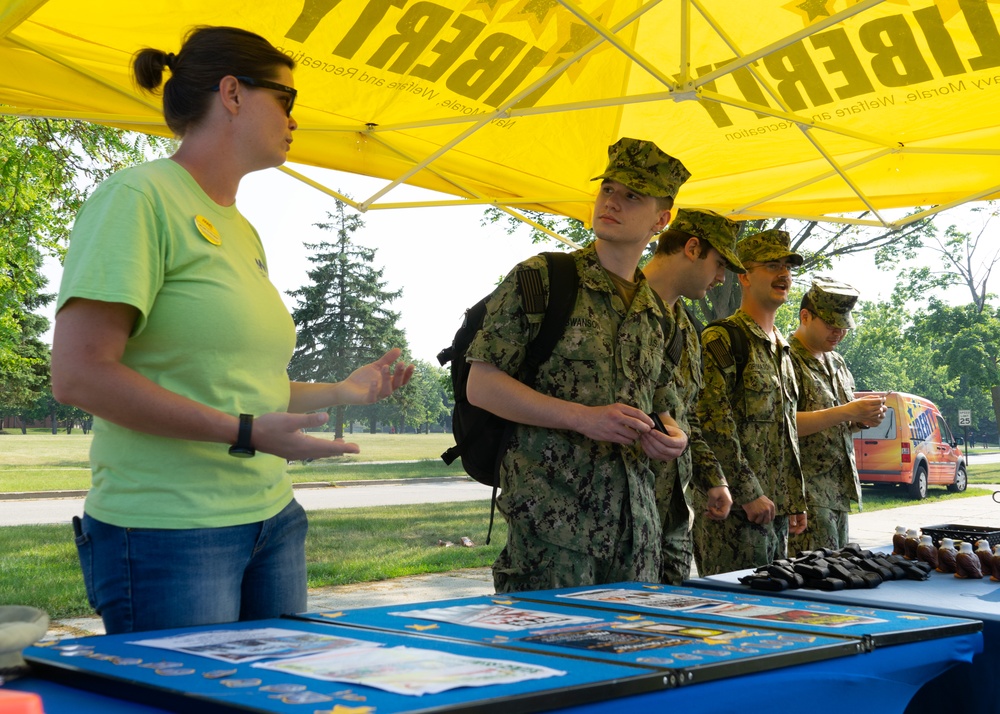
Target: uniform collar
[(756, 330), (595, 277), (824, 360)]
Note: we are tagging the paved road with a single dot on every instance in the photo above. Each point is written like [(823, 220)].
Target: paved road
[(61, 510)]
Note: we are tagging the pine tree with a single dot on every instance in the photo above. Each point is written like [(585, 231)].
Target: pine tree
[(342, 317)]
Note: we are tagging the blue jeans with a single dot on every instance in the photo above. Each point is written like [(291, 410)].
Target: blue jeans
[(150, 579)]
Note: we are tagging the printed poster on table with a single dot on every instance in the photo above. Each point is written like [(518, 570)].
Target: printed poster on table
[(496, 617), (248, 645), (409, 670), (690, 603)]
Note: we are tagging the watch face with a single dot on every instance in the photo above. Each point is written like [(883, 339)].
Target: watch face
[(241, 452)]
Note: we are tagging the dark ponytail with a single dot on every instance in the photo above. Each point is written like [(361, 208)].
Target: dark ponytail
[(207, 55)]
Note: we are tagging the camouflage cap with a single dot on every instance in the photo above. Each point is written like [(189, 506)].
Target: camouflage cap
[(720, 232), (643, 167), (767, 246), (832, 302)]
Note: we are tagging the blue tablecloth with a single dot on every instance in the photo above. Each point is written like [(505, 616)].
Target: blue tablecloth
[(882, 681), (972, 688)]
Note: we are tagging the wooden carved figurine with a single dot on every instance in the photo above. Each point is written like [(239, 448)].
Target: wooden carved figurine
[(985, 556), (946, 556), (897, 540), (910, 544), (967, 563), (926, 551)]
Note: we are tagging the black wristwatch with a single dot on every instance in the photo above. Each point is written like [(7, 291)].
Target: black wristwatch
[(242, 449)]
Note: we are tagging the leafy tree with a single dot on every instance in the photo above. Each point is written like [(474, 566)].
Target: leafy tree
[(26, 375), (964, 340), (962, 258), (45, 406), (422, 402), (47, 170), (342, 316), (544, 227), (418, 406), (884, 354), (874, 347)]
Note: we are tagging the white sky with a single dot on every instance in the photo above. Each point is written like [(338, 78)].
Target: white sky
[(442, 258)]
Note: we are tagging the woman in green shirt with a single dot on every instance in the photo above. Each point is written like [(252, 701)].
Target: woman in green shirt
[(169, 331)]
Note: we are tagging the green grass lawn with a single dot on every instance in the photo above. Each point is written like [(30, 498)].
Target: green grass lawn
[(880, 499), (39, 567), (984, 473), (47, 462)]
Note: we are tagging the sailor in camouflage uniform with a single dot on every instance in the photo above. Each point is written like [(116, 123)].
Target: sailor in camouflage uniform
[(827, 413), (750, 426), (691, 256), (577, 481)]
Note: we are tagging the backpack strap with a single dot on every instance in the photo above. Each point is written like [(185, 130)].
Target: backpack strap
[(564, 282), (675, 342), (739, 348)]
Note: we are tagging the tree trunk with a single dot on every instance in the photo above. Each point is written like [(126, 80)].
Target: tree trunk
[(995, 393), (338, 432)]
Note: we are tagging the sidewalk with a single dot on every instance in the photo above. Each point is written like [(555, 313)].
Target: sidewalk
[(870, 530), (60, 506)]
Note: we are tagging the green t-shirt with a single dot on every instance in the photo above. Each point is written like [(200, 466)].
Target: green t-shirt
[(212, 328)]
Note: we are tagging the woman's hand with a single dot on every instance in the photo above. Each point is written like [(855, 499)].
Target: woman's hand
[(281, 434), (375, 381)]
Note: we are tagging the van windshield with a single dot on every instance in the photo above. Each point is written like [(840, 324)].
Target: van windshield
[(885, 430)]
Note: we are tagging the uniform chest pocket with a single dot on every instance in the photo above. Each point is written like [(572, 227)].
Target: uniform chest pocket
[(761, 395), (581, 369), (583, 345)]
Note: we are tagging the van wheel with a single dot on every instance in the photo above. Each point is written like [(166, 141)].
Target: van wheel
[(918, 489), (961, 481)]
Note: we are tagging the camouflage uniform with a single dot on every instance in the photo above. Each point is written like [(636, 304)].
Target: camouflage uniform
[(828, 465), (751, 429), (561, 491), (581, 511), (697, 467)]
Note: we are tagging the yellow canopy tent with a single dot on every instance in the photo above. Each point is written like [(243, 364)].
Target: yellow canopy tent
[(799, 108)]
